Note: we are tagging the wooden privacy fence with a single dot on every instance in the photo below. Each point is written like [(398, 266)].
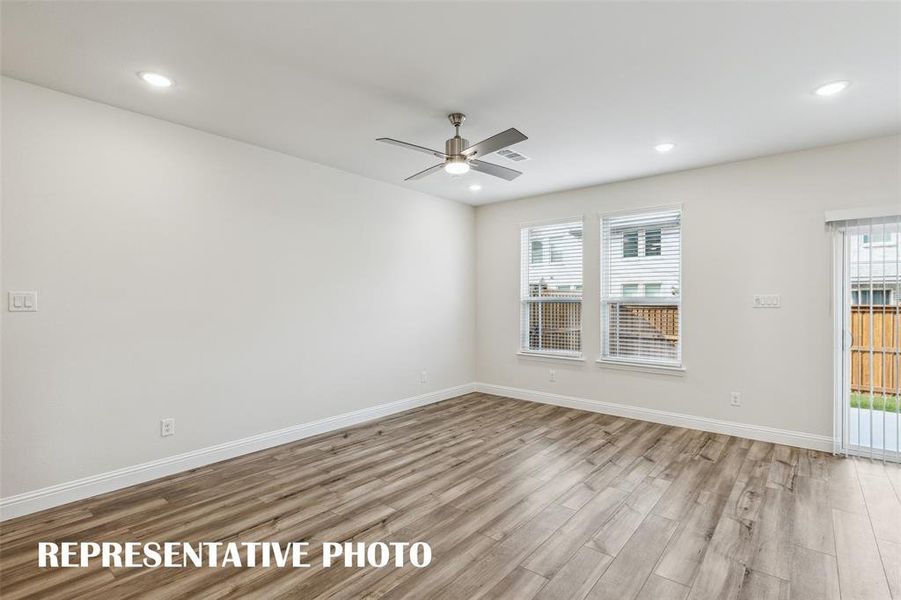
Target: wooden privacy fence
[(663, 320), (555, 323), (643, 330), (876, 348)]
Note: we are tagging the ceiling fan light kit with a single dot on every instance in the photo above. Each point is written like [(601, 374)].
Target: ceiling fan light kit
[(459, 157), (456, 165)]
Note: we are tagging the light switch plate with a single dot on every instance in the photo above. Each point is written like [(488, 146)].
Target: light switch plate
[(767, 301), (23, 302)]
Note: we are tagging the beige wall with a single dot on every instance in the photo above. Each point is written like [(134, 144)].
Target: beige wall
[(751, 227), (185, 275)]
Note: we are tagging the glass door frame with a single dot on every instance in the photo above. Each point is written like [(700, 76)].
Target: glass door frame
[(842, 345)]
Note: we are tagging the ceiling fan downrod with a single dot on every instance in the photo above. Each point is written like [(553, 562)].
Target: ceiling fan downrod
[(456, 145)]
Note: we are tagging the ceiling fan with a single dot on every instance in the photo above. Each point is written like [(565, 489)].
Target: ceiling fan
[(459, 156)]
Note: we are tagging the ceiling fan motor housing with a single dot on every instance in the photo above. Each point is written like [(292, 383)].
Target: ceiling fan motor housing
[(455, 146)]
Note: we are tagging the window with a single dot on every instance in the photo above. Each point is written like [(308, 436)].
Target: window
[(630, 244), (652, 238), (558, 249), (551, 292), (537, 252), (652, 242), (642, 328), (878, 238), (653, 289), (880, 297)]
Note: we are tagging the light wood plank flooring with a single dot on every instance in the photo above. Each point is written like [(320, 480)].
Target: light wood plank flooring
[(518, 500)]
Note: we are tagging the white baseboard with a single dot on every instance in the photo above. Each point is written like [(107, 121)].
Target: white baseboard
[(63, 493), (754, 432)]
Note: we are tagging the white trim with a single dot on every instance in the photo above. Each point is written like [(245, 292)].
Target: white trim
[(851, 214), (841, 400), (56, 495), (646, 367), (620, 212), (754, 432), (550, 356), (63, 493), (553, 221)]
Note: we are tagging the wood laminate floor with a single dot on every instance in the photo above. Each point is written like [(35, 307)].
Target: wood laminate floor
[(518, 500)]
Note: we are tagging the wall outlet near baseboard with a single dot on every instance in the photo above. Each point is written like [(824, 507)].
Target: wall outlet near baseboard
[(167, 427), (735, 399), (552, 375), (423, 377)]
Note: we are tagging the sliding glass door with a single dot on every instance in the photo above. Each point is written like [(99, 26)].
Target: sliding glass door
[(869, 298)]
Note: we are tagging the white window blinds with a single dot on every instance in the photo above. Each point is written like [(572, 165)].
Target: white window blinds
[(641, 287), (551, 288)]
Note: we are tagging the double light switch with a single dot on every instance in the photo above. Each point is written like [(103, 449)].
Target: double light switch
[(23, 302)]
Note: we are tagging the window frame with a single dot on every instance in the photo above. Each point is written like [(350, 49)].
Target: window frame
[(634, 364), (522, 350)]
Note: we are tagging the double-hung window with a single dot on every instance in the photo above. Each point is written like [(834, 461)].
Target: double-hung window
[(551, 289), (641, 288)]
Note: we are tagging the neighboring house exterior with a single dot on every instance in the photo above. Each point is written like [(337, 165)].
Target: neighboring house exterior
[(641, 261), (874, 267), (552, 262), (644, 261)]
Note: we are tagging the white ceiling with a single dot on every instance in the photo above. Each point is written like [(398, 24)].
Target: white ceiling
[(594, 85)]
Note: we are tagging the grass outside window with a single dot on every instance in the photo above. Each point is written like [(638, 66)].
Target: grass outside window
[(875, 402)]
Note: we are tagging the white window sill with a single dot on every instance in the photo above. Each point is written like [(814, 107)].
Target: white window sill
[(626, 365), (551, 356)]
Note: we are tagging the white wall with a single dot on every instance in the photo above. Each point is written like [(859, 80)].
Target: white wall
[(185, 275), (748, 227), (239, 290)]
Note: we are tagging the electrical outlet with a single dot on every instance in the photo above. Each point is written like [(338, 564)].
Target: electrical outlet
[(423, 377), (167, 427), (552, 375), (735, 398)]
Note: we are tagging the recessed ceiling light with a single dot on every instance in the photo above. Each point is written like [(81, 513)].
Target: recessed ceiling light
[(475, 187), (664, 147), (832, 88), (155, 79)]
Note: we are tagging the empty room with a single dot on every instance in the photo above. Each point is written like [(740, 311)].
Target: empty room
[(450, 300)]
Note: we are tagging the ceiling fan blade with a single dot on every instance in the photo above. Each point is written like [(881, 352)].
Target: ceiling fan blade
[(425, 173), (495, 143), (434, 153), (493, 169)]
